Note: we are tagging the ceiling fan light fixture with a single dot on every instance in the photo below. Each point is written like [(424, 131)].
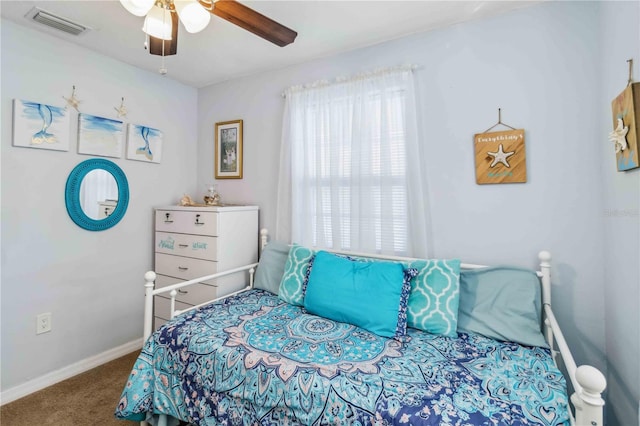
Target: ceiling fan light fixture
[(158, 23), (194, 17), (137, 7)]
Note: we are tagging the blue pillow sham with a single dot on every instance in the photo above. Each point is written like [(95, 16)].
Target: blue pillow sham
[(366, 294), (503, 303), (271, 266)]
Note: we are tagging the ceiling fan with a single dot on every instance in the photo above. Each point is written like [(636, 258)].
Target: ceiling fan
[(161, 21)]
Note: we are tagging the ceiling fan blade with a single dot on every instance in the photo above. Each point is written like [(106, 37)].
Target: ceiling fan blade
[(252, 21), (170, 46)]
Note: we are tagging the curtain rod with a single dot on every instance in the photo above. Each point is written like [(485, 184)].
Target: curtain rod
[(342, 79)]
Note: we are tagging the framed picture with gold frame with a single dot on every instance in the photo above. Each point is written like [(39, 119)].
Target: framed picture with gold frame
[(228, 150)]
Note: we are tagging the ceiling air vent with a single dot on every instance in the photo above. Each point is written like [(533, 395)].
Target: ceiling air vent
[(58, 22)]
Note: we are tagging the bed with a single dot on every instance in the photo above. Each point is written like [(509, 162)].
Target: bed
[(328, 338)]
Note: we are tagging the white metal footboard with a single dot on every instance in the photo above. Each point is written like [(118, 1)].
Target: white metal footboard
[(588, 382), (150, 292)]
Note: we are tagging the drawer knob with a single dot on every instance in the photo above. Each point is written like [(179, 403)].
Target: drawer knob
[(181, 291), (167, 215), (183, 268), (198, 220), (183, 245)]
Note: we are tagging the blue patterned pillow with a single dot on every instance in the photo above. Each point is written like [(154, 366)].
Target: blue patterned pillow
[(296, 273), (435, 295), (401, 328)]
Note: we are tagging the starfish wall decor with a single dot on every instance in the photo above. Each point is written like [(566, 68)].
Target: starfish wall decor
[(121, 110), (73, 101), (500, 157)]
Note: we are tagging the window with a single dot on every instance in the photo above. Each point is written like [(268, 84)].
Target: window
[(346, 151)]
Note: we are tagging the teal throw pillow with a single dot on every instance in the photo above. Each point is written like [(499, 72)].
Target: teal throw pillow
[(503, 303), (296, 270), (434, 298), (365, 294), (271, 266)]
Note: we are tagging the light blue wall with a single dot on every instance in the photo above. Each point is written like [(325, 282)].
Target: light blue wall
[(91, 282), (621, 212), (543, 66), (530, 63)]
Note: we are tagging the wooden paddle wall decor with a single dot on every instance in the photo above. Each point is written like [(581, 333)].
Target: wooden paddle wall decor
[(500, 156), (626, 125)]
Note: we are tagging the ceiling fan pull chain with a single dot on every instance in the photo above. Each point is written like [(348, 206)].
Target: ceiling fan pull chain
[(163, 68)]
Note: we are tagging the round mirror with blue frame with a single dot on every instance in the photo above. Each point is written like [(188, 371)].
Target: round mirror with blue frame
[(116, 203)]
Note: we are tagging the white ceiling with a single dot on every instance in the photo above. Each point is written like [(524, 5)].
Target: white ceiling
[(224, 51)]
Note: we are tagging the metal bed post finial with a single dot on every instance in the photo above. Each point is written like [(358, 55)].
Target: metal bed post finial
[(150, 278), (587, 400), (264, 236)]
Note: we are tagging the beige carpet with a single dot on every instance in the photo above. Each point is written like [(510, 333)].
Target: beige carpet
[(88, 399)]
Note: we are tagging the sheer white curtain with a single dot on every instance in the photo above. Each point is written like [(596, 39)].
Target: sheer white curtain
[(350, 175)]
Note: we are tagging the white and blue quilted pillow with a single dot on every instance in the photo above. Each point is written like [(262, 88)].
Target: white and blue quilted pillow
[(435, 295), (296, 273)]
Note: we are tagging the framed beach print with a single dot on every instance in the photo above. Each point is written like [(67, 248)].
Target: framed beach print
[(37, 125), (144, 143), (99, 136), (228, 150)]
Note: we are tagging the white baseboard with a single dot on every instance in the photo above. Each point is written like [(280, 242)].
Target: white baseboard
[(64, 373)]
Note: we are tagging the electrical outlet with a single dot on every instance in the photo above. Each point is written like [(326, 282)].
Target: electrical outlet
[(43, 323)]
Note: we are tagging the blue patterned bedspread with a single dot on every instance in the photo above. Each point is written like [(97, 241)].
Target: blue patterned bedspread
[(255, 360)]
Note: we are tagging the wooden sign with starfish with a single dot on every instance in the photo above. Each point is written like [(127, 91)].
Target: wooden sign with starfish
[(626, 127), (500, 157)]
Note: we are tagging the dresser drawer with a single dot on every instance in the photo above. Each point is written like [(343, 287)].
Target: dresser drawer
[(185, 268), (187, 222), (197, 246), (193, 294), (162, 307)]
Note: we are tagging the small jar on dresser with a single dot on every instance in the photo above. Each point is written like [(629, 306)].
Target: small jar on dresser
[(192, 242)]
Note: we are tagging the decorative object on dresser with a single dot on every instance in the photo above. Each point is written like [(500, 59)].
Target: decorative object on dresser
[(500, 156), (195, 241), (228, 150), (212, 197)]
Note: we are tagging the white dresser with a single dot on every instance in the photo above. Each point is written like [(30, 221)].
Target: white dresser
[(191, 242), (106, 207)]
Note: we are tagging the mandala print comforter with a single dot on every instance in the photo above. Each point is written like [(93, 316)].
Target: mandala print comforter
[(255, 360)]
